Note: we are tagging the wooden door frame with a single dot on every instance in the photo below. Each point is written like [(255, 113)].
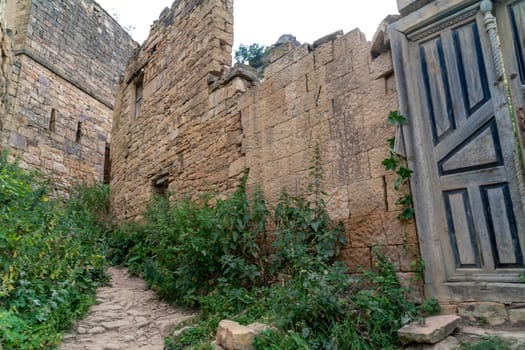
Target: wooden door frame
[(436, 283)]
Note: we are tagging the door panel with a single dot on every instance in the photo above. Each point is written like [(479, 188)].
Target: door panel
[(468, 203)]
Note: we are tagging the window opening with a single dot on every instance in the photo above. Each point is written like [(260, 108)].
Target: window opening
[(107, 164), (160, 185), (53, 120), (139, 97), (79, 132)]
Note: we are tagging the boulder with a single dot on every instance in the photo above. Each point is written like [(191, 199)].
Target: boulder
[(234, 336)]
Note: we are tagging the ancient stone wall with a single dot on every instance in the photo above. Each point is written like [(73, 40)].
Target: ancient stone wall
[(166, 130), (181, 126), (68, 56), (335, 95), (5, 71)]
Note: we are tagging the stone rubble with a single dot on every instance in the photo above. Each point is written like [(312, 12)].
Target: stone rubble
[(128, 316)]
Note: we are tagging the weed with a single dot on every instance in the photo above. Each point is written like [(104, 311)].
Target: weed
[(487, 343), (50, 258), (396, 164), (222, 258)]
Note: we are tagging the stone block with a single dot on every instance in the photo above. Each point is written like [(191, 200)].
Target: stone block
[(323, 54), (435, 329), (357, 259), (408, 256), (449, 343), (366, 197), (517, 317), (398, 232), (281, 50), (448, 309), (365, 231), (237, 167), (391, 253), (17, 141), (233, 336), (493, 314), (376, 157), (337, 203), (412, 281)]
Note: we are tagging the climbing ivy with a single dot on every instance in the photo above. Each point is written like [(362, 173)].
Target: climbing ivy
[(396, 163)]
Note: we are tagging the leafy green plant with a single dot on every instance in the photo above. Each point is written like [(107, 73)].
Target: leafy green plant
[(224, 258), (521, 277), (396, 164), (486, 343), (50, 259)]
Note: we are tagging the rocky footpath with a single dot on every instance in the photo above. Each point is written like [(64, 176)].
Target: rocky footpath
[(127, 316)]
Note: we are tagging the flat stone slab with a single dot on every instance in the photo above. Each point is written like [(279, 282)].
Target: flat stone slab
[(435, 329)]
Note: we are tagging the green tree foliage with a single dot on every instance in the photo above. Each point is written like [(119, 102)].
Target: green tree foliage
[(251, 55)]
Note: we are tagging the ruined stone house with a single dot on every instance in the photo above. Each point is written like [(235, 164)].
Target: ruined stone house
[(61, 61), (185, 122)]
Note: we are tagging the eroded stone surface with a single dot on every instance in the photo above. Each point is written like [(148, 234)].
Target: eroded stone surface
[(435, 329), (128, 317), (483, 313), (449, 343), (517, 317)]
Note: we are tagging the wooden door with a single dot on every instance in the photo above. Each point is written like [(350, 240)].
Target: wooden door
[(468, 206)]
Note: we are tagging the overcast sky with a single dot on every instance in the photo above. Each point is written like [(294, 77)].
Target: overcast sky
[(264, 21)]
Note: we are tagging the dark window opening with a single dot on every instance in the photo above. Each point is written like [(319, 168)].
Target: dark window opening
[(107, 164), (53, 120), (139, 98), (160, 185), (79, 132)]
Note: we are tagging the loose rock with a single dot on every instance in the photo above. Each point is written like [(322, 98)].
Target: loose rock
[(432, 331)]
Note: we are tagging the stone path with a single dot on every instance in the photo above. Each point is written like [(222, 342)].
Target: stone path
[(128, 317)]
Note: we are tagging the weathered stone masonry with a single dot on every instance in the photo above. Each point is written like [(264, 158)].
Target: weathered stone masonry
[(67, 57), (186, 123)]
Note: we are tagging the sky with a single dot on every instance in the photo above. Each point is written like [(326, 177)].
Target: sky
[(263, 22)]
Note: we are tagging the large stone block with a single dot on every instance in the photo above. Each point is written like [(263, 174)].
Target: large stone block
[(366, 197), (517, 317), (357, 259), (366, 231), (433, 330), (233, 336), (493, 314)]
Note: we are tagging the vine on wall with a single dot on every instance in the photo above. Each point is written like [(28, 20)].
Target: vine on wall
[(397, 164)]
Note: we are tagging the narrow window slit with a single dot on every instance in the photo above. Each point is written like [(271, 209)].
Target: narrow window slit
[(78, 136), (53, 120)]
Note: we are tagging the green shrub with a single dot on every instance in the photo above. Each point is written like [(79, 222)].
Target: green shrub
[(223, 258), (486, 343), (50, 259)]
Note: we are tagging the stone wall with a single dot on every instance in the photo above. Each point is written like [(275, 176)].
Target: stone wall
[(335, 95), (166, 130), (5, 71), (80, 41), (197, 128), (68, 56)]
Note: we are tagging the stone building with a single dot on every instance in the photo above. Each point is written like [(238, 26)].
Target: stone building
[(58, 84), (186, 121)]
